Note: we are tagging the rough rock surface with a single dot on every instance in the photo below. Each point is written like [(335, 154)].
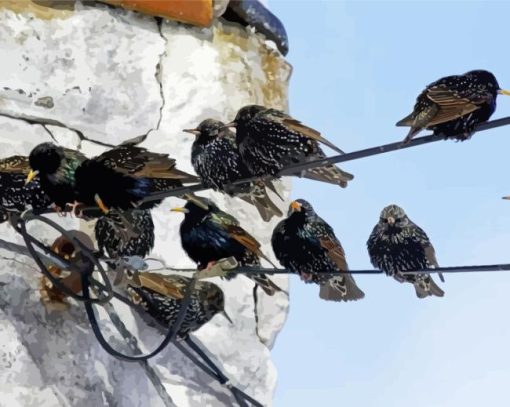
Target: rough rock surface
[(102, 74)]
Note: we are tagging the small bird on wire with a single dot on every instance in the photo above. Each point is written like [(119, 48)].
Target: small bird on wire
[(161, 296), (15, 195), (119, 178), (397, 245), (208, 235), (454, 105), (126, 233), (305, 244), (270, 140), (216, 159)]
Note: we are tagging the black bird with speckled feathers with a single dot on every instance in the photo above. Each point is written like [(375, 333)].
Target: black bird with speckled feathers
[(397, 244), (270, 140), (208, 234), (15, 195), (216, 159), (119, 178), (453, 106), (305, 244), (161, 296), (124, 234)]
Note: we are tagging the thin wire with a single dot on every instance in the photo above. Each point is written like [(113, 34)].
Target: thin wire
[(355, 155), (445, 270)]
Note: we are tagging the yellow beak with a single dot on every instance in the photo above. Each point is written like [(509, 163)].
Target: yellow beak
[(391, 220), (31, 175), (296, 206), (182, 210), (504, 92)]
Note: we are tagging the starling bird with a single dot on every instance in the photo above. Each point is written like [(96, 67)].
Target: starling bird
[(127, 233), (397, 245), (453, 106), (118, 178), (216, 159), (15, 195), (305, 244), (270, 140), (56, 167), (209, 234), (161, 297)]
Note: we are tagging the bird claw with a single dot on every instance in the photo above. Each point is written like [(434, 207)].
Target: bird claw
[(58, 210)]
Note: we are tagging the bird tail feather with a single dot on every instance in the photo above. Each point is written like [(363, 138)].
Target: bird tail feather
[(426, 287), (342, 288), (330, 174)]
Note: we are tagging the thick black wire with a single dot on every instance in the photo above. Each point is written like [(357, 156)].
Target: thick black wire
[(170, 336), (355, 155)]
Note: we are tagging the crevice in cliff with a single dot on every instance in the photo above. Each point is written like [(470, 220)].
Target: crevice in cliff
[(41, 121)]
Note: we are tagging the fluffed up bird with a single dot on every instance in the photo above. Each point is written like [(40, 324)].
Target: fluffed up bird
[(305, 244), (454, 105), (15, 196), (161, 296), (217, 161), (119, 178), (208, 235), (397, 245), (270, 140), (126, 233)]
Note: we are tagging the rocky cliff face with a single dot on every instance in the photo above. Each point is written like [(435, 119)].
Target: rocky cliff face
[(96, 74)]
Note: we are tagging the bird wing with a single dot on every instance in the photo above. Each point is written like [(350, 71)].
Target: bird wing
[(452, 103), (17, 164), (162, 285), (294, 125), (428, 249), (231, 225), (335, 252), (136, 161)]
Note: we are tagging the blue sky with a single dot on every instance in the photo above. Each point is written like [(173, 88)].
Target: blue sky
[(358, 67)]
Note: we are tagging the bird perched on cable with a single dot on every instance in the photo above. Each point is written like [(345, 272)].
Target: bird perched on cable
[(161, 296), (270, 140), (216, 159), (454, 105), (208, 235), (15, 196), (305, 244), (118, 178), (127, 233), (397, 245)]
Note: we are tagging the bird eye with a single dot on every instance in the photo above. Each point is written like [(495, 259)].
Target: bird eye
[(130, 273), (397, 220), (384, 220)]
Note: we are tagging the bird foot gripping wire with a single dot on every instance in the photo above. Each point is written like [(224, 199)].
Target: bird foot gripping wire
[(219, 268)]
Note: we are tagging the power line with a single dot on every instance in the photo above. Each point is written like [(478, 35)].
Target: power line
[(336, 159)]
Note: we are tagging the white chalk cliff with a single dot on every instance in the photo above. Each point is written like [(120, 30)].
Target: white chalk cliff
[(104, 74)]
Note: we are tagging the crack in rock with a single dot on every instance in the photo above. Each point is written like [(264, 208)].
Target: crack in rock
[(51, 122)]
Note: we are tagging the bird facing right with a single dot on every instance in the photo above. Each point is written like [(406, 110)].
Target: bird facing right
[(270, 140), (454, 105), (161, 296), (396, 245), (305, 244), (216, 159)]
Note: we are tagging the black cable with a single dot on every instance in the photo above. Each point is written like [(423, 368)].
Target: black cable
[(355, 155)]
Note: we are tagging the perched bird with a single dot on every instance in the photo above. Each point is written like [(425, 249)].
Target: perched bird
[(15, 196), (56, 167), (454, 105), (397, 245), (270, 140), (305, 244), (118, 178), (127, 233), (208, 234), (216, 159), (161, 296)]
